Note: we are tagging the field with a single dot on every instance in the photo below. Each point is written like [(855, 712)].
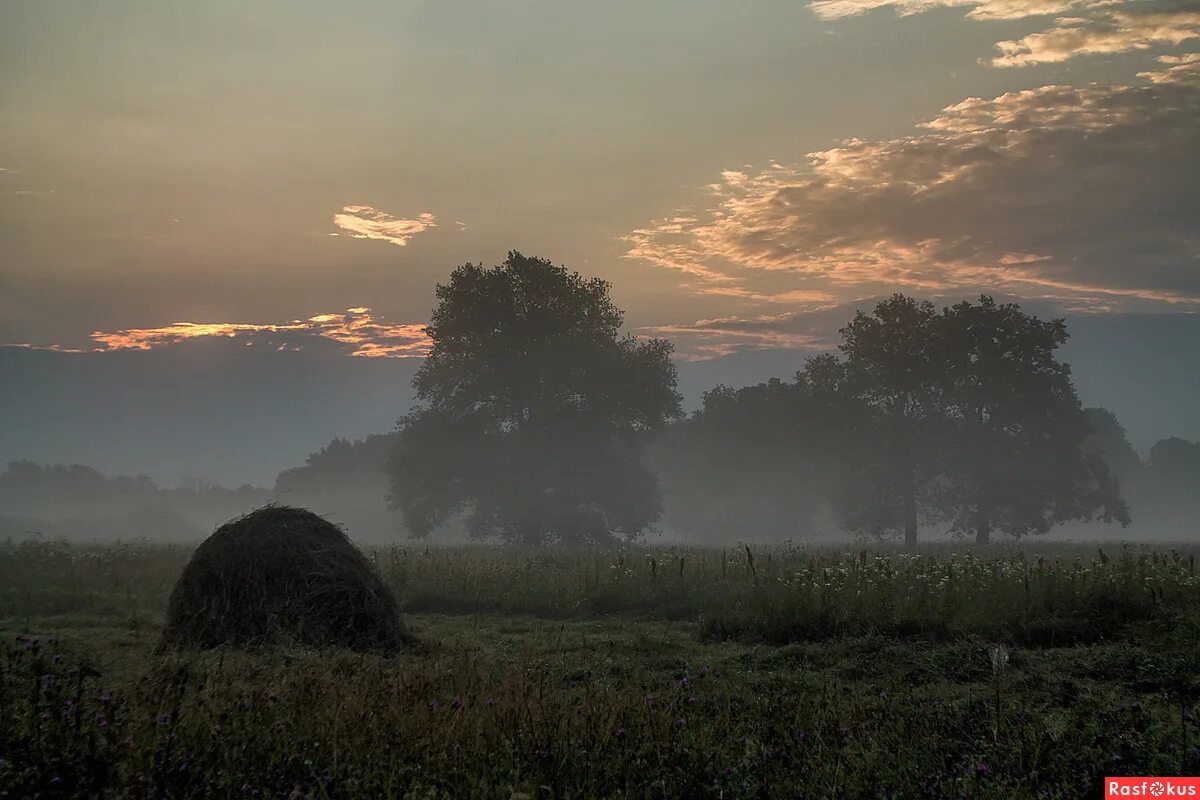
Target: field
[(642, 672)]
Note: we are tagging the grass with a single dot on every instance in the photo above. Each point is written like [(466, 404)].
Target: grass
[(645, 672)]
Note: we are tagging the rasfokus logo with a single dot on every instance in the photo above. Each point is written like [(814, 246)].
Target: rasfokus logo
[(1158, 786)]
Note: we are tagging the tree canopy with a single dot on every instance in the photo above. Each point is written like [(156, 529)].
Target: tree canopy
[(962, 419), (532, 410), (976, 423)]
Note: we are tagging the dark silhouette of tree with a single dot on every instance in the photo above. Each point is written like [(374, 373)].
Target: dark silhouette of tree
[(346, 482), (1016, 456), (760, 460), (1109, 440), (1176, 461), (339, 464), (966, 417), (891, 376), (533, 410)]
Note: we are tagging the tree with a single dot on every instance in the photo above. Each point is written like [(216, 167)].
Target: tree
[(346, 481), (759, 459), (967, 417), (1107, 438), (533, 410), (890, 376), (1174, 478), (1017, 459), (1176, 460)]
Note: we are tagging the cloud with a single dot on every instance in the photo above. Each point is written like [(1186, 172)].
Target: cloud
[(357, 331), (980, 9), (713, 338), (365, 222), (1106, 33), (1180, 69), (1084, 196), (1083, 27)]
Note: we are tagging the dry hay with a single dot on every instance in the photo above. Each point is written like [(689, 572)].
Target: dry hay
[(281, 575)]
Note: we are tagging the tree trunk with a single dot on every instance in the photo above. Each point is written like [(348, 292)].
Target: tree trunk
[(910, 515), (983, 527)]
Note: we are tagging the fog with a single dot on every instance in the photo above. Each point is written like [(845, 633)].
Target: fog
[(536, 420), (716, 492)]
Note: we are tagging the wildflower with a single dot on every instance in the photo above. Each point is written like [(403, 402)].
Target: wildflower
[(883, 695), (999, 659), (433, 706), (704, 670), (105, 699), (982, 770), (680, 722), (45, 716), (620, 733), (684, 682), (164, 718), (1136, 705), (216, 729), (491, 701)]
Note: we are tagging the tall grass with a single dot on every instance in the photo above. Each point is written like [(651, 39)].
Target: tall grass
[(1043, 594)]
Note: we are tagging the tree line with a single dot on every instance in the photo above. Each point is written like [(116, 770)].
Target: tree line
[(535, 414), (538, 420)]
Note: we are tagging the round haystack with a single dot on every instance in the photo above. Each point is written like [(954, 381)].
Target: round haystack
[(281, 574)]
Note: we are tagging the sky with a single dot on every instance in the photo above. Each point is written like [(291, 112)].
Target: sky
[(295, 177)]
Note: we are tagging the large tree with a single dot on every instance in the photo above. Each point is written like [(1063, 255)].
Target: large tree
[(890, 379), (967, 417), (532, 410), (1018, 454)]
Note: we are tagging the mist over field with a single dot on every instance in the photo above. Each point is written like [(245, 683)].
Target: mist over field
[(210, 442)]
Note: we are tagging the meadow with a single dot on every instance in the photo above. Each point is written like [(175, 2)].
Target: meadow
[(643, 671)]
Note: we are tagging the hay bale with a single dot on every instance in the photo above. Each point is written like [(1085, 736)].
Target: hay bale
[(281, 575)]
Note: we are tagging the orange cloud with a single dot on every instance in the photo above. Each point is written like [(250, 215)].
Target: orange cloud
[(1083, 27), (365, 222), (1105, 33), (1001, 194), (357, 329), (980, 9)]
